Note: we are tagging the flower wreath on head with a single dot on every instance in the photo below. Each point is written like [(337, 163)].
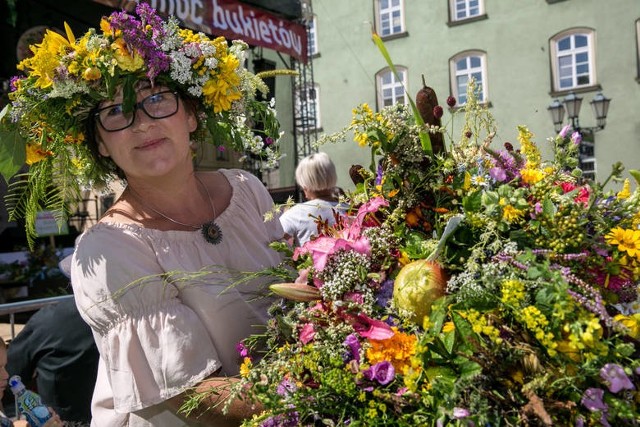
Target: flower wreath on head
[(45, 125)]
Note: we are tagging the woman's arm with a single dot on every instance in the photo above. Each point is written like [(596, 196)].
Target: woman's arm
[(212, 396)]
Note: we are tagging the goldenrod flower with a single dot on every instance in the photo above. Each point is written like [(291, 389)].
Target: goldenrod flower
[(625, 193)]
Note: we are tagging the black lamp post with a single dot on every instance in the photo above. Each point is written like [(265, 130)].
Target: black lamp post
[(571, 105)]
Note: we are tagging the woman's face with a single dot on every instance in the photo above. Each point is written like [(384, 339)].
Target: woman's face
[(149, 146), (4, 375)]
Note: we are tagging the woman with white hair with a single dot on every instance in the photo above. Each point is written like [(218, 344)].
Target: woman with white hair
[(316, 175)]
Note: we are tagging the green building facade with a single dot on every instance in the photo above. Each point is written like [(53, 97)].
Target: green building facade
[(526, 53)]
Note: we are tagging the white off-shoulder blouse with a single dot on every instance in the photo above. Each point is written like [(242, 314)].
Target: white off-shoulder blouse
[(161, 307)]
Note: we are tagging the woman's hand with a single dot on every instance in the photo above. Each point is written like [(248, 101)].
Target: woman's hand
[(54, 421)]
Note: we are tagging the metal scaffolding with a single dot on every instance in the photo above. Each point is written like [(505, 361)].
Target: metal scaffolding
[(305, 129)]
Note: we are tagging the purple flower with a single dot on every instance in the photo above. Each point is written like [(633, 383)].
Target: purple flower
[(286, 387), (242, 349), (537, 210), (592, 399), (576, 138), (354, 346), (385, 293), (498, 174), (381, 372), (565, 131), (460, 413), (379, 173), (615, 377)]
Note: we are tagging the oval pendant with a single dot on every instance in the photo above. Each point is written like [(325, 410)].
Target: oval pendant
[(212, 232)]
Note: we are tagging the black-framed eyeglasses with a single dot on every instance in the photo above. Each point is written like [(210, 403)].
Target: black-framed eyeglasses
[(158, 105)]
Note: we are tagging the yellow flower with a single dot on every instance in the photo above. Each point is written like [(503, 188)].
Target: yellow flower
[(511, 214), (625, 193), (528, 148), (35, 153), (245, 368), (223, 88), (105, 26), (512, 292), (448, 327), (128, 61), (467, 181), (361, 139), (626, 240), (631, 322), (46, 58), (531, 176)]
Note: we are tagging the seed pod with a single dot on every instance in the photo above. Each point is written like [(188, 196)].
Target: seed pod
[(296, 291), (426, 101)]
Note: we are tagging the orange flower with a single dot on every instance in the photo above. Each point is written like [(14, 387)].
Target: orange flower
[(35, 153)]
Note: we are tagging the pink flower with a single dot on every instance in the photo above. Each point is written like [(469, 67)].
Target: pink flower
[(583, 196), (369, 328), (307, 333)]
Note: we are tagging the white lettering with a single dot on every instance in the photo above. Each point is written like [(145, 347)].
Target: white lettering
[(186, 10), (235, 25), (296, 41), (284, 36), (244, 23), (218, 16), (274, 31), (247, 25), (196, 14), (182, 9), (264, 31)]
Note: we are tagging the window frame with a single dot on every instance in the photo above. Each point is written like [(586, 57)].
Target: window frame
[(378, 15), (395, 84), (555, 56), (453, 11), (312, 37), (314, 100), (586, 157), (454, 74)]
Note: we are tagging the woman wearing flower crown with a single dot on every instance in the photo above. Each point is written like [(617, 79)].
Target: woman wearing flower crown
[(153, 278)]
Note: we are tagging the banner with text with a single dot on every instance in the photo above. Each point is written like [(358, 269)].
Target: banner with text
[(233, 20)]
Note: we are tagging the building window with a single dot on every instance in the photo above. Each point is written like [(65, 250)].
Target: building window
[(587, 159), (313, 36), (390, 87), (461, 10), (308, 107), (467, 66), (390, 17), (573, 60)]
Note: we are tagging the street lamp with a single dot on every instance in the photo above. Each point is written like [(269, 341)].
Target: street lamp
[(571, 105)]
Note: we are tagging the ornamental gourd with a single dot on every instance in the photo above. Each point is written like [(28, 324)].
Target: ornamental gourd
[(417, 286)]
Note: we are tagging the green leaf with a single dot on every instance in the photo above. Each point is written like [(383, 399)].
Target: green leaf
[(425, 139), (469, 369), (548, 209), (635, 174), (12, 149), (473, 202)]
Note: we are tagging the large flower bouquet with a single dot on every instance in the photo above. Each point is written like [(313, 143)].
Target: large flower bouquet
[(470, 286)]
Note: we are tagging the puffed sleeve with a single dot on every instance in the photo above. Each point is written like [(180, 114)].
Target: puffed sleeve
[(262, 200), (152, 344)]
